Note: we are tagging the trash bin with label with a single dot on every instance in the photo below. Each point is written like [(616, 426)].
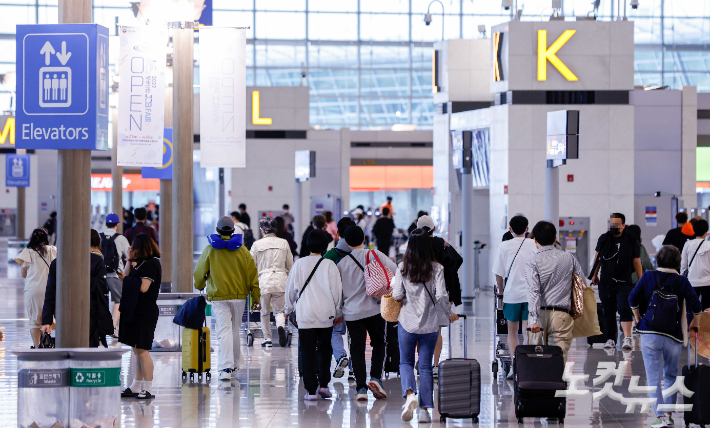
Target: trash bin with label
[(42, 387), (168, 335), (95, 392)]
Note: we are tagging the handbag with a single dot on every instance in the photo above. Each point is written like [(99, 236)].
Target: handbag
[(389, 308), (46, 341), (578, 287), (377, 277), (293, 314), (587, 325)]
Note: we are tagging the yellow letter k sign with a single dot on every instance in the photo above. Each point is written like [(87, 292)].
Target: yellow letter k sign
[(544, 54)]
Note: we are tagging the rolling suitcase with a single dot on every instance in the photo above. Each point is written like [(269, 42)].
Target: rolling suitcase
[(196, 352), (391, 349), (697, 379), (538, 374), (459, 385)]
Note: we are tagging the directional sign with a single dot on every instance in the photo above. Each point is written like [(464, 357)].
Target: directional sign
[(17, 170), (62, 86), (164, 172)]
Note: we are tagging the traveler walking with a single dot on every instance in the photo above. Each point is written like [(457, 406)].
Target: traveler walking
[(419, 285), (362, 313), (383, 229), (695, 259), (288, 218), (646, 263), (244, 216), (509, 269), (114, 248), (681, 234), (51, 227), (283, 233), (330, 225), (314, 296), (414, 223), (549, 275), (450, 259), (100, 322), (337, 254), (273, 260), (388, 206), (660, 327), (140, 227), (241, 228), (317, 223), (34, 263), (139, 311), (618, 254), (228, 272)]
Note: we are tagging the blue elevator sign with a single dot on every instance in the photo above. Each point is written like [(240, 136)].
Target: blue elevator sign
[(17, 170), (62, 86)]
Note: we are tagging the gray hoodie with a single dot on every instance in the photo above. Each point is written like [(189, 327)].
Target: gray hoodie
[(357, 304)]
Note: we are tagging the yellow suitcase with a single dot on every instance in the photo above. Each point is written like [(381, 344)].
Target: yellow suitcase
[(196, 352)]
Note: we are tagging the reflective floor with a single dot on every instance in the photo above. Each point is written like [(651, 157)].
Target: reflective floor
[(267, 392)]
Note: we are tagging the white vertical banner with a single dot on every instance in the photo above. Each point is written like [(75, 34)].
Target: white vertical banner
[(141, 96), (222, 97)]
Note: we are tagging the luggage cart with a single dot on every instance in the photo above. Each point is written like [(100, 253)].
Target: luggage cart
[(503, 356), (251, 321)]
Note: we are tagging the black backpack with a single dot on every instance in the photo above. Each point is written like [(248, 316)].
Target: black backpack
[(248, 238), (110, 252)]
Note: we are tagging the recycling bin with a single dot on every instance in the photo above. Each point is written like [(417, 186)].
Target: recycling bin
[(95, 387), (168, 335), (42, 387)]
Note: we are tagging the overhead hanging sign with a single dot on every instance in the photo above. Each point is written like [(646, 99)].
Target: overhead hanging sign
[(222, 97), (17, 170), (164, 172), (141, 96), (62, 86)]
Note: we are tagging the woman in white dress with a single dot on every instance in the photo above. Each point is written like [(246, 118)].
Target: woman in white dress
[(34, 261)]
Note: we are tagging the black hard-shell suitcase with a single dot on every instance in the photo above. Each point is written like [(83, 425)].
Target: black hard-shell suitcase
[(599, 338), (391, 348), (697, 379), (459, 385), (539, 371)]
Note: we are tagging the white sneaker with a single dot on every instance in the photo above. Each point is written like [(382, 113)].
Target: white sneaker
[(610, 344), (409, 406), (424, 416), (511, 373), (225, 374), (628, 343)]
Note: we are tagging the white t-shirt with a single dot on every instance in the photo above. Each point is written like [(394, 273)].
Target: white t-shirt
[(516, 290), (37, 268)]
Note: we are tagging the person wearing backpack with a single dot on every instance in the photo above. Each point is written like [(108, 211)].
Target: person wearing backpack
[(695, 259), (315, 293), (660, 294), (241, 228), (114, 248), (361, 311)]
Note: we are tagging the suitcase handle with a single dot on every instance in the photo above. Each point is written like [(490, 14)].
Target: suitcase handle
[(695, 329), (465, 337), (543, 336)]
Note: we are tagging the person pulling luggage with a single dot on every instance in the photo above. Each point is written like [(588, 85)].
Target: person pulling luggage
[(228, 272), (549, 276)]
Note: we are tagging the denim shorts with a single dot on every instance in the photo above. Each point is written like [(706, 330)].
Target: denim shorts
[(515, 312)]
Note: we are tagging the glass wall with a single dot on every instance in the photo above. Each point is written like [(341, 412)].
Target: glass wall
[(368, 62)]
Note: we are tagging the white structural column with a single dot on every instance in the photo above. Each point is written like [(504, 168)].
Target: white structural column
[(468, 288), (166, 201), (182, 160), (116, 171), (21, 206), (552, 195), (689, 145), (74, 200)]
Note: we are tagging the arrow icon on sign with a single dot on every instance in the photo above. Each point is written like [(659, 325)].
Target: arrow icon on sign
[(64, 56), (47, 50)]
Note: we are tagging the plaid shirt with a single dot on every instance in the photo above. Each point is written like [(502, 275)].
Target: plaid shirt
[(549, 278)]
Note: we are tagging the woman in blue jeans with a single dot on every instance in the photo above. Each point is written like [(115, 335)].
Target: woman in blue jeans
[(660, 327), (419, 284)]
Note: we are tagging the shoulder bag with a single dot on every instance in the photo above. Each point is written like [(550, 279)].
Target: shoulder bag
[(505, 281), (293, 315), (685, 272)]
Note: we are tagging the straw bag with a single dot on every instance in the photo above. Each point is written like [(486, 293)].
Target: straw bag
[(703, 335), (389, 308)]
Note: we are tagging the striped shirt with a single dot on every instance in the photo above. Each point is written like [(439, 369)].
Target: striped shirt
[(419, 313), (549, 278)]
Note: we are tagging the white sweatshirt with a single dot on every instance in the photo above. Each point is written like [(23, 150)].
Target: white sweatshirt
[(699, 272), (322, 300)]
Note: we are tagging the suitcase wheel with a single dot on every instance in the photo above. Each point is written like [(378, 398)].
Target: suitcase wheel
[(209, 375), (442, 419), (250, 339), (199, 377), (192, 377), (184, 375), (474, 419)]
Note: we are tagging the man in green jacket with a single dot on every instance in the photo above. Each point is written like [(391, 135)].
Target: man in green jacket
[(229, 273)]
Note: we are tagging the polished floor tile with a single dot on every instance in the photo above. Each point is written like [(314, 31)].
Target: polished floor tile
[(267, 392)]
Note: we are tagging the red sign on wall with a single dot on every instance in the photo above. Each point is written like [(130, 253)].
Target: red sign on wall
[(570, 178), (505, 190)]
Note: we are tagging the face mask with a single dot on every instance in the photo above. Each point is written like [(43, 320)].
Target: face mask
[(615, 230)]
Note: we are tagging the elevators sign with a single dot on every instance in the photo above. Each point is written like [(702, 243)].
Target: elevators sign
[(62, 86)]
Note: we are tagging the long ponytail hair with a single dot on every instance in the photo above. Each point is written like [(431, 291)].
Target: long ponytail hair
[(418, 259), (39, 241)]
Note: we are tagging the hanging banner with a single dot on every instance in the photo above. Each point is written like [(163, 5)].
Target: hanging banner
[(141, 96), (222, 97), (165, 171)]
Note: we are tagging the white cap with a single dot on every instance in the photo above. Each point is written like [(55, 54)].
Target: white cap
[(426, 221)]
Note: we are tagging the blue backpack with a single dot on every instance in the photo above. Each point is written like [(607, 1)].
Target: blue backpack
[(663, 307), (192, 313)]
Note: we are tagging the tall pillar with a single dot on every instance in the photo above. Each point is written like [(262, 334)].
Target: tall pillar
[(73, 221), (468, 289), (116, 171), (166, 200), (552, 195), (182, 159), (21, 205)]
